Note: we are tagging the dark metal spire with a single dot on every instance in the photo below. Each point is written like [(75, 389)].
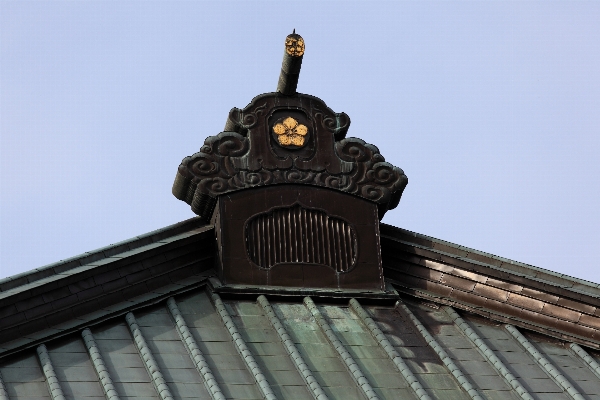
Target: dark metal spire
[(292, 61)]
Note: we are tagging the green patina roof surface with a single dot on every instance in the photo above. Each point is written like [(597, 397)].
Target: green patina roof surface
[(181, 340)]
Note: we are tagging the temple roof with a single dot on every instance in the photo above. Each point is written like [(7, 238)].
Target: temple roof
[(145, 318), (287, 286)]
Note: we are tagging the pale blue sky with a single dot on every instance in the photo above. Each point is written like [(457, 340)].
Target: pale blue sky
[(491, 108)]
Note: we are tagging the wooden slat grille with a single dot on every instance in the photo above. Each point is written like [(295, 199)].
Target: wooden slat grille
[(300, 235)]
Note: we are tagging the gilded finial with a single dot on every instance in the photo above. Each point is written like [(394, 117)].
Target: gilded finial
[(294, 45)]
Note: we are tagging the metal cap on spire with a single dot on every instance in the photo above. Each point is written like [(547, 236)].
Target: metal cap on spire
[(290, 67)]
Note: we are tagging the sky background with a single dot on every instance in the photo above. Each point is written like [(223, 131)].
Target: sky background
[(491, 109)]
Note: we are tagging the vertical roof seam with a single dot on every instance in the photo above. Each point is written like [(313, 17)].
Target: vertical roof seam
[(146, 354), (3, 392), (242, 349), (99, 366), (444, 357), (543, 362), (389, 349), (355, 371), (488, 353), (291, 349), (53, 385), (194, 351), (579, 351)]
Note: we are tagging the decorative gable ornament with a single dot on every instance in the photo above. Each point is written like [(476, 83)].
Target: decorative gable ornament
[(303, 202)]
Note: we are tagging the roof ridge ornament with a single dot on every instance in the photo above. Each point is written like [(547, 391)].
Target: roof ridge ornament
[(303, 202)]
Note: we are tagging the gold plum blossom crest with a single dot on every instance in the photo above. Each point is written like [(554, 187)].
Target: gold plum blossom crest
[(290, 132)]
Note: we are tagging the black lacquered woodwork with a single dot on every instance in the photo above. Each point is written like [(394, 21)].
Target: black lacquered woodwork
[(294, 235)]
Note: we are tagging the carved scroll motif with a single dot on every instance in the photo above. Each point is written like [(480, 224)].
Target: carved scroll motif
[(336, 124), (235, 160), (211, 171)]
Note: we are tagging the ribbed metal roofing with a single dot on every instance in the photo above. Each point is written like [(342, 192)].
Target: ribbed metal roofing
[(143, 319), (198, 345)]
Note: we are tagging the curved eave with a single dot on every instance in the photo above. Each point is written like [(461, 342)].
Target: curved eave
[(491, 286)]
